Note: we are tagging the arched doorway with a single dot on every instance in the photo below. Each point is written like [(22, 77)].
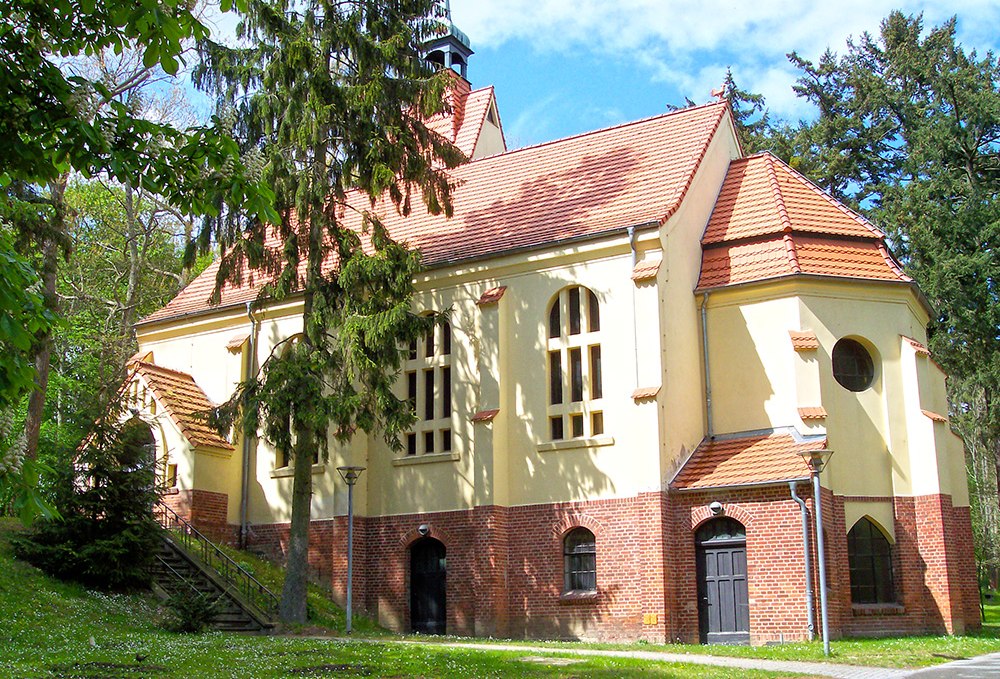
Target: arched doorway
[(723, 603), (138, 451), (428, 571)]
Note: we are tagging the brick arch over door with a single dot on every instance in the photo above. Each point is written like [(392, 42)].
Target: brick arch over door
[(439, 534), (701, 514)]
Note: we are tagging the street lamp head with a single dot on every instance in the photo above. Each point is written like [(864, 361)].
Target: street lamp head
[(816, 459), (350, 474)]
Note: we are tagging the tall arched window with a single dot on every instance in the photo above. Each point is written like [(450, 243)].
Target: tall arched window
[(575, 381), (579, 561), (869, 554), (427, 374)]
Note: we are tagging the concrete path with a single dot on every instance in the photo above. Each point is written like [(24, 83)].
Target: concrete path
[(973, 668), (981, 667), (794, 668)]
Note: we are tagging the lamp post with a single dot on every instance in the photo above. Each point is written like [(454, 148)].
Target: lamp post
[(817, 459), (350, 475)]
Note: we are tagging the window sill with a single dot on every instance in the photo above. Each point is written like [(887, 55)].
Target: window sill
[(569, 444), (865, 610), (578, 596), (428, 458), (285, 472)]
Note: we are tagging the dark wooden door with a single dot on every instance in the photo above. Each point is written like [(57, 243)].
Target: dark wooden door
[(428, 587), (723, 604)]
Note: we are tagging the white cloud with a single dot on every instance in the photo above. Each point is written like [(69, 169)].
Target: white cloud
[(684, 43)]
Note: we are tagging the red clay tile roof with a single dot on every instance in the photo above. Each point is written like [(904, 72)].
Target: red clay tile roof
[(917, 346), (758, 458), (464, 123), (486, 415), (644, 271), (236, 342), (812, 413), (934, 416), (804, 340), (492, 296), (769, 221), (184, 401), (594, 183), (644, 393)]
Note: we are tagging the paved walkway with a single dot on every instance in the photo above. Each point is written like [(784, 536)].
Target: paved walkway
[(981, 667), (807, 669), (973, 668)]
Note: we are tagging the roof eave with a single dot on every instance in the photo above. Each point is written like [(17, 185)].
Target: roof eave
[(640, 227), (918, 293), (740, 486)]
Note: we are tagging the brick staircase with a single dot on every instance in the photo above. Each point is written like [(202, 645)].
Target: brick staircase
[(187, 561)]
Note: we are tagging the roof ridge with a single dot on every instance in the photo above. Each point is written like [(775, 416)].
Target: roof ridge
[(142, 364), (696, 158), (826, 196), (890, 261), (602, 130), (779, 201)]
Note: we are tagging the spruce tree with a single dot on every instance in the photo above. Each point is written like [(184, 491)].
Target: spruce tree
[(909, 131), (106, 536), (330, 101)]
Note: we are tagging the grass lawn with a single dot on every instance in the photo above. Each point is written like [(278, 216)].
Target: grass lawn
[(54, 629), (48, 625), (899, 652)]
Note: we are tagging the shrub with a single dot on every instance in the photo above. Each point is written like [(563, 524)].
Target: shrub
[(190, 611), (107, 536)]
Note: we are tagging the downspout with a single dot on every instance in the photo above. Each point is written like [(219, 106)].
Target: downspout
[(810, 605), (635, 322), (709, 426), (251, 363)]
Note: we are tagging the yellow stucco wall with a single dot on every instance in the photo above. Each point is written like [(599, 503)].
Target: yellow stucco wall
[(650, 337), (883, 443)]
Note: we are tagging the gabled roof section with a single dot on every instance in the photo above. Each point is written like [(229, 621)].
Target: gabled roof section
[(752, 459), (584, 186), (769, 221), (463, 124), (184, 402)]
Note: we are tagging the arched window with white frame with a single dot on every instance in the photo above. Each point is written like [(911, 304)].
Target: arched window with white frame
[(575, 380), (427, 376)]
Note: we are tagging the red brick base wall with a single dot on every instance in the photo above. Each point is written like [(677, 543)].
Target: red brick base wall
[(205, 510), (505, 566)]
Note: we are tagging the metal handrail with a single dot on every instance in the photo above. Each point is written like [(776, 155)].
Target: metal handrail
[(177, 575), (231, 572)]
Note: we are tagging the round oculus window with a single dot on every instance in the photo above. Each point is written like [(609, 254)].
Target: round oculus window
[(853, 367)]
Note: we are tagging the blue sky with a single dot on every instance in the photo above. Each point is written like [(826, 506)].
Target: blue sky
[(561, 67)]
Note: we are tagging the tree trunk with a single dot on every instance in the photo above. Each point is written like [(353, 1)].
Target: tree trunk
[(292, 608), (132, 235), (43, 345)]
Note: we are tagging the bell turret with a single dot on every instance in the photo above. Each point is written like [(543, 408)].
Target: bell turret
[(452, 48)]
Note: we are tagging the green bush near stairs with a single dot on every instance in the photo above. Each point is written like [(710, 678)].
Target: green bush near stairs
[(106, 537)]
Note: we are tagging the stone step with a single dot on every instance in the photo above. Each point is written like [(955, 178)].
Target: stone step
[(174, 573)]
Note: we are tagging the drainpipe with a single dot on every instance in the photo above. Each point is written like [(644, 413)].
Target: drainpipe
[(635, 322), (251, 364), (810, 604), (710, 428), (820, 548)]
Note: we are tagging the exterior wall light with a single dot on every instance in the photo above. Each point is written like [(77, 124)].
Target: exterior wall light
[(350, 475)]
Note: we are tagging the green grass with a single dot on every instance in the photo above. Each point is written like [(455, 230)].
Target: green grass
[(55, 629), (900, 652)]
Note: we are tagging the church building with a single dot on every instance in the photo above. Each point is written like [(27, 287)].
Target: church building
[(651, 338)]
